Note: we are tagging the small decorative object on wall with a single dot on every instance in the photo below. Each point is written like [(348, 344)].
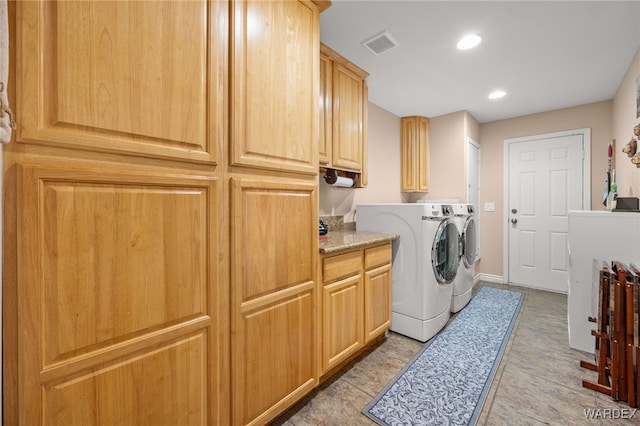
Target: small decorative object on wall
[(631, 148)]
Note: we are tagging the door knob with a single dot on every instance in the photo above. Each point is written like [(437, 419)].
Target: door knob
[(514, 220)]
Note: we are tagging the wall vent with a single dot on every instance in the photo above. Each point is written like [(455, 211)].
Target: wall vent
[(380, 43)]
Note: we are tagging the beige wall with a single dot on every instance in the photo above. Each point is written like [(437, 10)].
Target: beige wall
[(596, 116), (448, 156), (447, 168), (472, 127), (384, 169), (624, 119)]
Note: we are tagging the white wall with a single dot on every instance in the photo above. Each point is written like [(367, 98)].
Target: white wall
[(624, 119)]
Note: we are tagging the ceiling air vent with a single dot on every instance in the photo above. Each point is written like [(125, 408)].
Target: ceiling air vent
[(380, 43)]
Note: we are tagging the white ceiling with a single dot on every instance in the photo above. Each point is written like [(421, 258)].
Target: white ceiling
[(545, 54)]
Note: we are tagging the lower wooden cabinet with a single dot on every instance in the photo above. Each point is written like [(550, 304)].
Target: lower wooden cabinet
[(356, 301), (377, 291), (273, 295), (113, 303), (342, 322)]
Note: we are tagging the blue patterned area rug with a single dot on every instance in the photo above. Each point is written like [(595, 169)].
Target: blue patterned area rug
[(447, 382)]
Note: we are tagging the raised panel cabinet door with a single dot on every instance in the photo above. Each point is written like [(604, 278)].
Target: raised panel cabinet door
[(423, 154), (364, 172), (341, 320), (409, 153), (414, 154), (325, 110), (377, 301), (144, 78), (118, 307), (274, 258), (275, 85), (348, 113)]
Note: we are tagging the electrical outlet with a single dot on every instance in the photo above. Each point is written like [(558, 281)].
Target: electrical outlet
[(489, 207)]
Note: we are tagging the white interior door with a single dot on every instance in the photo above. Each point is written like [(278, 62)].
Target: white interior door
[(545, 180), (473, 186)]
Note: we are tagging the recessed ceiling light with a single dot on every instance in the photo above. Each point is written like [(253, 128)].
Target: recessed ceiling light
[(497, 94), (469, 41)]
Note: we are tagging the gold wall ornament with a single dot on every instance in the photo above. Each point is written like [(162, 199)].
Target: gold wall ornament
[(630, 148)]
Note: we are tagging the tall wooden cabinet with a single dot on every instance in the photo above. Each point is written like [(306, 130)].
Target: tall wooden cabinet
[(114, 303), (414, 154), (273, 206), (160, 212), (343, 113)]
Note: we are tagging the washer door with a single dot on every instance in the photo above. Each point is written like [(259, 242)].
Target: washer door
[(469, 242), (445, 256)]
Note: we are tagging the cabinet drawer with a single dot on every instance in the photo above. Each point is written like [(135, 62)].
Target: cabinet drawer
[(341, 266), (376, 256)]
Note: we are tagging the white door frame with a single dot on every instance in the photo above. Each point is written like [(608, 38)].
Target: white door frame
[(586, 183), (472, 142)]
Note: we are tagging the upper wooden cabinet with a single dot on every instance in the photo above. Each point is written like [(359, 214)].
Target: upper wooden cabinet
[(414, 154), (274, 113), (126, 77), (324, 109), (343, 110)]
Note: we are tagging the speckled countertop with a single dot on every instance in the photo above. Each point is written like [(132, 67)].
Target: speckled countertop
[(337, 241)]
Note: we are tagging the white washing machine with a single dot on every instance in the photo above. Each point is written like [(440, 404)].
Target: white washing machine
[(464, 218), (425, 262)]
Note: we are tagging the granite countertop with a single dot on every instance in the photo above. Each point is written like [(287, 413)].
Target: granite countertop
[(337, 241)]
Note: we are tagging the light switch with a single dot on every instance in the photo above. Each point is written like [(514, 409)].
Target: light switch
[(489, 207)]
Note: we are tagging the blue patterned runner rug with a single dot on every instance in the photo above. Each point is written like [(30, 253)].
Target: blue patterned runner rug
[(447, 382)]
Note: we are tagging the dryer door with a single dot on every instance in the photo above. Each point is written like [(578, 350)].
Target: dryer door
[(445, 256), (469, 242)]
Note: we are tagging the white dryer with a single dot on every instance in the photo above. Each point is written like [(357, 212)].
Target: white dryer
[(425, 262), (464, 217)]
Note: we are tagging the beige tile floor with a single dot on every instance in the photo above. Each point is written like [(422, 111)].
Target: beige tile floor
[(538, 382)]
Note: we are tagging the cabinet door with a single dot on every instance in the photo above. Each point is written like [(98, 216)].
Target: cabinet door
[(423, 154), (123, 76), (348, 103), (325, 103), (274, 250), (274, 114), (377, 301), (341, 320), (414, 153), (117, 308)]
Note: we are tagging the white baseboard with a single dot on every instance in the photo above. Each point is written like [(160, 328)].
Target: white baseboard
[(496, 279)]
